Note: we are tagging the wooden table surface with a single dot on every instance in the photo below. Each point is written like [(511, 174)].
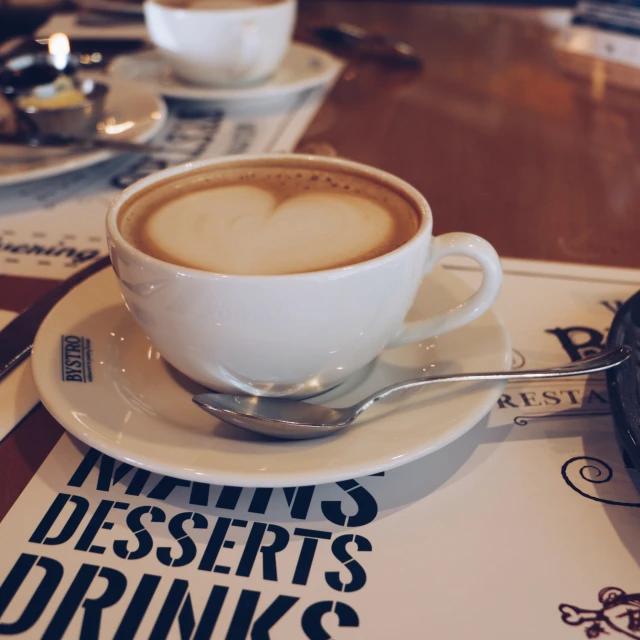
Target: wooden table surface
[(501, 141)]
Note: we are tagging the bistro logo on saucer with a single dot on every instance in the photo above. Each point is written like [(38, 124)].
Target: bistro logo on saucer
[(75, 352), (620, 612)]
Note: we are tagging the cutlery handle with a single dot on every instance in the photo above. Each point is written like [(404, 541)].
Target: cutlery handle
[(121, 145), (65, 142), (606, 359)]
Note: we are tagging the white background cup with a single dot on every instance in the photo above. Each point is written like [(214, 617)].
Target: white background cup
[(217, 46), (297, 334)]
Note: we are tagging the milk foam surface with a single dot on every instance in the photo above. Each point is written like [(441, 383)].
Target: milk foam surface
[(268, 221)]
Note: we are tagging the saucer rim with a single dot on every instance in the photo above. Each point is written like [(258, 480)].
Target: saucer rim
[(59, 404), (183, 91)]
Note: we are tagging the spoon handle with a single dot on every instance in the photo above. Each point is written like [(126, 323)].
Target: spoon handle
[(600, 362)]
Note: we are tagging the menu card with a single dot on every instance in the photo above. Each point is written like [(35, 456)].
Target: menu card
[(619, 16), (53, 227), (602, 43), (525, 527)]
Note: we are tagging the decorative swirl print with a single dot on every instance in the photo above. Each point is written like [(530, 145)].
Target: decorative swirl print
[(594, 471)]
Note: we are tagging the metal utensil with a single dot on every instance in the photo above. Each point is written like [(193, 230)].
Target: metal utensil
[(16, 339), (58, 141), (297, 420), (376, 45)]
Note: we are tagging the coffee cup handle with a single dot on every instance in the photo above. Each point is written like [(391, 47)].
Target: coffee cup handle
[(485, 255), (250, 45)]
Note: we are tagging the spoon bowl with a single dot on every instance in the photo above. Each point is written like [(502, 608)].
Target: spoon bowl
[(298, 420)]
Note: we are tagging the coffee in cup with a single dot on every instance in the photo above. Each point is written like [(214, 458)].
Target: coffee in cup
[(281, 274), (221, 42), (268, 218)]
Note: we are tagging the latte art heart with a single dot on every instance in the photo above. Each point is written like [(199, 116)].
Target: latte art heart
[(244, 230), (267, 220)]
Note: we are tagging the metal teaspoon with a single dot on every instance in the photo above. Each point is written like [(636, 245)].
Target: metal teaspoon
[(298, 420)]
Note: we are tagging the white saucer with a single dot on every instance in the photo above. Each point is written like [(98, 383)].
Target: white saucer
[(132, 113), (134, 407), (303, 67)]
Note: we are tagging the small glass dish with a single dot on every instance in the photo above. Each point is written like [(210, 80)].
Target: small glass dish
[(49, 98), (27, 71), (77, 118)]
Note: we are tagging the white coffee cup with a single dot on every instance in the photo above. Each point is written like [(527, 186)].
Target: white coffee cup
[(297, 334), (219, 43)]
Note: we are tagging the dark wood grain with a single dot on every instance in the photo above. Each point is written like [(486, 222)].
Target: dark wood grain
[(22, 453), (17, 294), (501, 141), (24, 450)]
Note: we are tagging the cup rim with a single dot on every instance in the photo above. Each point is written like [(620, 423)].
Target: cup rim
[(214, 11), (115, 237)]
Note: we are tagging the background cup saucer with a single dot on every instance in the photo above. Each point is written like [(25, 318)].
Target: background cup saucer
[(303, 67)]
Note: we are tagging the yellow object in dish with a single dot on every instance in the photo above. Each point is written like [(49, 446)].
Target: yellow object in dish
[(58, 95)]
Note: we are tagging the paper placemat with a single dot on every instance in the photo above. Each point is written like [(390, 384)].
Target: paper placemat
[(526, 527), (51, 228)]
